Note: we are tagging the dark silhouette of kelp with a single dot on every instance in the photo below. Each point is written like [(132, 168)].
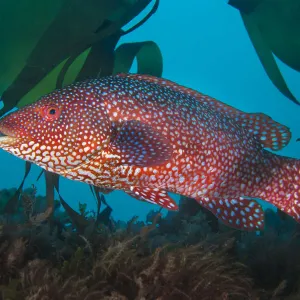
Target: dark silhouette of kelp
[(74, 40), (273, 27)]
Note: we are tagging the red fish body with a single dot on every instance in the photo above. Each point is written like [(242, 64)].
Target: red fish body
[(148, 136)]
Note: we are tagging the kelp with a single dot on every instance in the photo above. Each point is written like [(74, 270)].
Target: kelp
[(74, 40), (274, 29), (28, 210), (147, 54), (65, 41), (12, 203)]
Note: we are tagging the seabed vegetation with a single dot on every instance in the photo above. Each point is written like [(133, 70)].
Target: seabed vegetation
[(185, 255)]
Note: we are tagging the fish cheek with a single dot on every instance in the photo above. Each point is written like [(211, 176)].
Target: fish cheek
[(87, 134), (67, 142)]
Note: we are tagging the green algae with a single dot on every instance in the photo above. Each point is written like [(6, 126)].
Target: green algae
[(182, 255), (74, 40)]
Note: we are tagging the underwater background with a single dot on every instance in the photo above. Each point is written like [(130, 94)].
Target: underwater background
[(205, 46)]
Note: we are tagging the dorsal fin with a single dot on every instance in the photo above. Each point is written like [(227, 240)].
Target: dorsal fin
[(271, 134)]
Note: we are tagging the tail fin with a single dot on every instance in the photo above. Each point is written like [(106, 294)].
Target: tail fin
[(281, 186)]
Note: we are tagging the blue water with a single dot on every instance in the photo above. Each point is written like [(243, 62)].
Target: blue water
[(206, 47)]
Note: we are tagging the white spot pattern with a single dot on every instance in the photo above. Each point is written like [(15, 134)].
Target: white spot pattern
[(187, 143)]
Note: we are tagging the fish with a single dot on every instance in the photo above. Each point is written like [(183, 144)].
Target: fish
[(149, 137)]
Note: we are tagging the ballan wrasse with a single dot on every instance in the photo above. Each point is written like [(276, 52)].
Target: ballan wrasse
[(149, 136)]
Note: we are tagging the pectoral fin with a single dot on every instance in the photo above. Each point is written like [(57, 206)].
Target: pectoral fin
[(138, 144)]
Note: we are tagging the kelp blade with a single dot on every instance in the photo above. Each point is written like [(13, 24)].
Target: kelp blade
[(23, 24), (274, 28), (12, 204), (147, 54), (245, 6), (71, 31), (77, 26)]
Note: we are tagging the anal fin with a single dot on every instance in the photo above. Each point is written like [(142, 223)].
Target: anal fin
[(239, 213), (155, 196)]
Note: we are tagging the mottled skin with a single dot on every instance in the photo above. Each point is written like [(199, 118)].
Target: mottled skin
[(149, 136)]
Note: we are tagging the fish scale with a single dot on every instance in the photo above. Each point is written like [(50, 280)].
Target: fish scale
[(149, 136)]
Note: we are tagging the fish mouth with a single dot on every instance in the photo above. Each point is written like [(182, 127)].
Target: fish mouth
[(6, 139), (2, 134), (6, 132)]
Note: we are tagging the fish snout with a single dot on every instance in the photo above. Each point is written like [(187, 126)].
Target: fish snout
[(7, 129)]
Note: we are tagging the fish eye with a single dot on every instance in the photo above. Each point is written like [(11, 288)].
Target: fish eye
[(51, 112)]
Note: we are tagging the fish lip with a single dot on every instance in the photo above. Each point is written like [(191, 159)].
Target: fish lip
[(7, 132), (2, 134), (6, 139)]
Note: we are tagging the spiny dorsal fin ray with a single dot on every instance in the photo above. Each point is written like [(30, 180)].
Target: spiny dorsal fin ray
[(270, 133)]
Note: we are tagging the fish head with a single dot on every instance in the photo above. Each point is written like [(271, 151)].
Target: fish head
[(61, 131)]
